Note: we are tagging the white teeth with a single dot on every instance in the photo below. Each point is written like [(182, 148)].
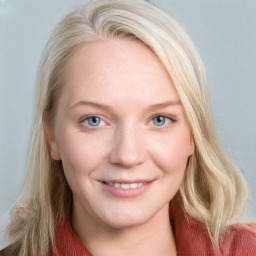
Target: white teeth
[(125, 185), (135, 185)]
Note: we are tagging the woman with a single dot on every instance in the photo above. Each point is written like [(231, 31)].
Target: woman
[(124, 159)]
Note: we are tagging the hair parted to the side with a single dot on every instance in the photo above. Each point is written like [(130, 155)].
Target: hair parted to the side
[(213, 190)]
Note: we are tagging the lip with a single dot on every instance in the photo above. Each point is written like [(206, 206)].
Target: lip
[(126, 193), (126, 181)]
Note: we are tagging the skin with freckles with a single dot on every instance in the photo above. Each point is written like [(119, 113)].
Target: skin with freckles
[(119, 121)]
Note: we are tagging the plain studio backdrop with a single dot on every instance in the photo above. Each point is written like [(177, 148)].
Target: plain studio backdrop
[(224, 33)]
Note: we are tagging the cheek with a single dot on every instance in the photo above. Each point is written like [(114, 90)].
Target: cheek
[(171, 154), (80, 155)]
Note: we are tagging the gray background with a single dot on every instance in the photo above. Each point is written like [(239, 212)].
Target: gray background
[(223, 31)]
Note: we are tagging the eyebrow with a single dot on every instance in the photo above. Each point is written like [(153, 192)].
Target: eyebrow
[(106, 107), (89, 103), (164, 104)]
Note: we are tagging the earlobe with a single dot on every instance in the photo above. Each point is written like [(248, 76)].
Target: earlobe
[(54, 152), (50, 138), (192, 146)]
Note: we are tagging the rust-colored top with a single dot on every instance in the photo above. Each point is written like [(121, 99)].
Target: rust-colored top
[(190, 235)]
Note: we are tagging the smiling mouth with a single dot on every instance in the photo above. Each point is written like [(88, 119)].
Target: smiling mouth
[(124, 185), (126, 188)]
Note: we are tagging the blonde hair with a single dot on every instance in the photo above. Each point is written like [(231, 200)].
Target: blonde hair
[(213, 190)]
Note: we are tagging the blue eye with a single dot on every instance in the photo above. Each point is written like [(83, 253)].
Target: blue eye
[(93, 121), (160, 120)]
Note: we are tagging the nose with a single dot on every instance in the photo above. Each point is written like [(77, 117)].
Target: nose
[(128, 149)]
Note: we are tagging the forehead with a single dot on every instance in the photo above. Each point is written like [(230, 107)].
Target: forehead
[(117, 68)]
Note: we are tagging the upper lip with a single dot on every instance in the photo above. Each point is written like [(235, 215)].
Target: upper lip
[(122, 181)]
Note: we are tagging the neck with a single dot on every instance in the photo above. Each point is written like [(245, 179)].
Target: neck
[(155, 237)]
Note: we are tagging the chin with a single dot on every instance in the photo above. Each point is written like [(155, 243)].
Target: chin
[(124, 221)]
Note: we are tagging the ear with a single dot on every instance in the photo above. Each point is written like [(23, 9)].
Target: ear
[(49, 133), (192, 146)]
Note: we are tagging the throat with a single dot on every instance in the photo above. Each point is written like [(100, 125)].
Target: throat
[(134, 241)]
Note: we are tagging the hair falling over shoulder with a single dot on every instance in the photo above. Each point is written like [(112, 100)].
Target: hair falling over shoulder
[(213, 190)]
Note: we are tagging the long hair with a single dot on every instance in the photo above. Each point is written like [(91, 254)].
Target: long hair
[(213, 190)]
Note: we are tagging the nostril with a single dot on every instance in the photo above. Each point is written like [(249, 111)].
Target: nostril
[(127, 149)]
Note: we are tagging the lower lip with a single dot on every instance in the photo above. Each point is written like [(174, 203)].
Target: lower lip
[(126, 193)]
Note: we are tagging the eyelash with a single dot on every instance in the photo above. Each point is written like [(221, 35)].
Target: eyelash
[(171, 118), (82, 120)]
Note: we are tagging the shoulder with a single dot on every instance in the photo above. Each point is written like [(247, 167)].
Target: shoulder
[(192, 237), (239, 238)]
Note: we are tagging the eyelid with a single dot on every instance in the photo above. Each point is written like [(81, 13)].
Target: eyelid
[(171, 117), (90, 115), (81, 120), (169, 122)]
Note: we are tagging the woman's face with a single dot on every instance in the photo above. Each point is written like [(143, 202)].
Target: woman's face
[(121, 134)]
